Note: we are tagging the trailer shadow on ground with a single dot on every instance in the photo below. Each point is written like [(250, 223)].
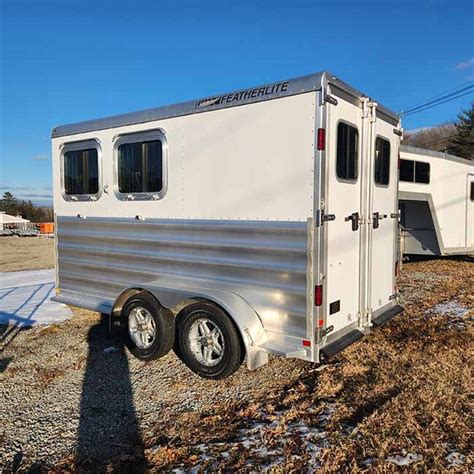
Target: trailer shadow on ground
[(108, 432)]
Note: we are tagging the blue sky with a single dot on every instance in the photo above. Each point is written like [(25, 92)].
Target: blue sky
[(65, 61)]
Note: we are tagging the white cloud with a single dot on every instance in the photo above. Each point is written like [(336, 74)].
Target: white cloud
[(465, 64), (36, 196), (16, 188), (27, 193)]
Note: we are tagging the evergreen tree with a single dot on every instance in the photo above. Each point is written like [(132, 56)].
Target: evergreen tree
[(9, 203), (462, 144)]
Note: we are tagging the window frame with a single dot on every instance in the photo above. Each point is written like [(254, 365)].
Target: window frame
[(77, 146), (414, 181), (381, 137), (400, 169), (348, 180), (140, 137), (429, 172)]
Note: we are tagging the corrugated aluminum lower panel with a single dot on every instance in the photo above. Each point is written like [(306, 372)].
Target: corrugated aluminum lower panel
[(263, 262)]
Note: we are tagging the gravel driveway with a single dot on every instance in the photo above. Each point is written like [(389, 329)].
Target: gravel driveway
[(71, 390)]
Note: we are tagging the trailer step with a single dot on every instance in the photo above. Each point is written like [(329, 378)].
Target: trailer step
[(282, 350), (340, 344), (387, 315)]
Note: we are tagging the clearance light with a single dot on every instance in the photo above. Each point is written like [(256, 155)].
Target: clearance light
[(318, 295), (306, 343), (321, 139)]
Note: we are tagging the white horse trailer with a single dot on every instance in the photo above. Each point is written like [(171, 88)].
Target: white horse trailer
[(253, 222), (436, 195)]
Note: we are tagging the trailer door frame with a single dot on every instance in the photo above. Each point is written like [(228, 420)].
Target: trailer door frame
[(382, 217), (343, 198)]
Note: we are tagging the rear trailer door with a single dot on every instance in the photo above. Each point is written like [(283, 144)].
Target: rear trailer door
[(382, 217), (344, 149)]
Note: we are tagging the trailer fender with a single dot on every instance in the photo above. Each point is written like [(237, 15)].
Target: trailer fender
[(244, 316)]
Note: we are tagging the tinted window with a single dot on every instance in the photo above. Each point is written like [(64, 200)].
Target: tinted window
[(472, 191), (347, 151), (140, 167), (422, 172), (382, 161), (407, 170), (81, 172)]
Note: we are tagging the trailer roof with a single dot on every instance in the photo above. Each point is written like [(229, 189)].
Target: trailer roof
[(274, 90), (435, 154)]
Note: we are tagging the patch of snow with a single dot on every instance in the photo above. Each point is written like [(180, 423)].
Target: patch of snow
[(455, 459), (25, 299), (451, 308), (405, 460), (265, 449), (456, 314)]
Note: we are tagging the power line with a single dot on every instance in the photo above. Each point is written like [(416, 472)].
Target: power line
[(444, 95), (439, 103), (440, 100)]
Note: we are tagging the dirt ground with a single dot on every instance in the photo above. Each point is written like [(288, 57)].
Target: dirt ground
[(26, 253), (71, 398)]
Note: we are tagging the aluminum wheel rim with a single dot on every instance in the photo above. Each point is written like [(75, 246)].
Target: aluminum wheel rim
[(141, 327), (206, 342)]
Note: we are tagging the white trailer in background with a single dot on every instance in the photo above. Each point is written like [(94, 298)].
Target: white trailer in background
[(436, 198), (253, 222)]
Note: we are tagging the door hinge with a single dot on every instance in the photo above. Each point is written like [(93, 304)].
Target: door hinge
[(330, 100), (395, 215)]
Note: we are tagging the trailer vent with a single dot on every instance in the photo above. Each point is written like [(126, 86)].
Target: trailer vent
[(321, 139), (318, 295)]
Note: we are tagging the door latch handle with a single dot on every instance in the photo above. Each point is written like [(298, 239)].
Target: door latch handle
[(376, 219), (354, 217), (328, 217), (321, 218)]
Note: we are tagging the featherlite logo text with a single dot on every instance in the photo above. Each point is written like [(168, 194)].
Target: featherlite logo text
[(244, 95)]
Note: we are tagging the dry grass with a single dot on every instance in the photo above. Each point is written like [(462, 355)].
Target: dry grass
[(26, 253), (404, 389)]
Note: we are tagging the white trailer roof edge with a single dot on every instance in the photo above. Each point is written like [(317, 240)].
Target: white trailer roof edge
[(434, 154), (269, 91)]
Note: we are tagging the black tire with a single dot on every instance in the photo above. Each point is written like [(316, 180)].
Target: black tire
[(164, 327), (232, 352)]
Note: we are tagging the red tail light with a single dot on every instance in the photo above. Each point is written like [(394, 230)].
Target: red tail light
[(321, 139), (318, 295)]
